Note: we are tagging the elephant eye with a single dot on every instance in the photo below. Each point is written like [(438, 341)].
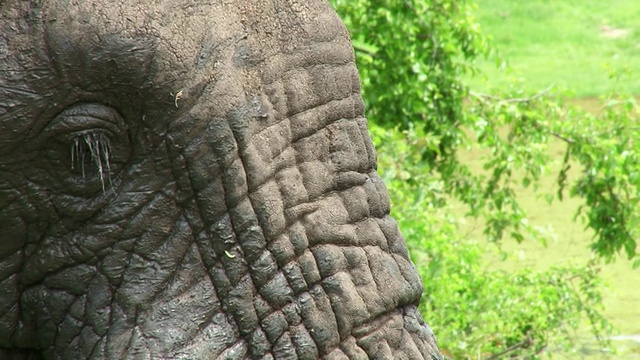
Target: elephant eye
[(91, 153), (89, 145)]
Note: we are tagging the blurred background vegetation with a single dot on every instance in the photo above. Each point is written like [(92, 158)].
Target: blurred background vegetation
[(506, 133)]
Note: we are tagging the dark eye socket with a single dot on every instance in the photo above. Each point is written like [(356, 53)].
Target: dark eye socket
[(91, 153), (89, 146)]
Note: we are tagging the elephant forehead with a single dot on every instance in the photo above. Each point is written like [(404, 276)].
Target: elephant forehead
[(137, 35), (184, 33)]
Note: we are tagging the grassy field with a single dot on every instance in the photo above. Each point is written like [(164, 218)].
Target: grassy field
[(573, 45), (568, 43)]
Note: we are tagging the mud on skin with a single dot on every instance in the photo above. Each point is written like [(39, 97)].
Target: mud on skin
[(193, 180)]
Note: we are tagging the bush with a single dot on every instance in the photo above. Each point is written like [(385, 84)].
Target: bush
[(411, 56), (474, 312)]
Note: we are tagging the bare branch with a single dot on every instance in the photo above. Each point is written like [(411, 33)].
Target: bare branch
[(521, 345), (512, 100)]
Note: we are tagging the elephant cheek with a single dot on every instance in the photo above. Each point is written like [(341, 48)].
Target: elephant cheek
[(14, 233), (23, 218)]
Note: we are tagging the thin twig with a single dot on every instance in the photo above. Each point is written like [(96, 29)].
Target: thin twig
[(512, 100), (522, 344), (565, 139)]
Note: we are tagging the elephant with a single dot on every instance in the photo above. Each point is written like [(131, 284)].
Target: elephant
[(193, 179)]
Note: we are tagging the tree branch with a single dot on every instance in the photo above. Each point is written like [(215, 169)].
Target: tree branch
[(522, 344), (512, 100)]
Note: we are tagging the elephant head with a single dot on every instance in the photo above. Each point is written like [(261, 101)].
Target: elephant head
[(193, 179)]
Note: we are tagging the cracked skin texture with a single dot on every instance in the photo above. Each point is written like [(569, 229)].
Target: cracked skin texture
[(238, 214)]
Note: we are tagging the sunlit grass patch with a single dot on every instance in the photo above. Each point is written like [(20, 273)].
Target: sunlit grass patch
[(574, 45)]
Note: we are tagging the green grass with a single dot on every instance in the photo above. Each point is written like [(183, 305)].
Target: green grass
[(564, 43)]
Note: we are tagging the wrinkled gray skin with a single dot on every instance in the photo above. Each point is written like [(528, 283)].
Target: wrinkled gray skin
[(185, 179)]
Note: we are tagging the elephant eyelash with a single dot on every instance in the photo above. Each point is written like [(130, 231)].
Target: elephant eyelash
[(92, 148)]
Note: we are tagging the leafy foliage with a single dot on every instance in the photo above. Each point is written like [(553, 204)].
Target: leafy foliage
[(477, 313), (600, 147), (411, 56)]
